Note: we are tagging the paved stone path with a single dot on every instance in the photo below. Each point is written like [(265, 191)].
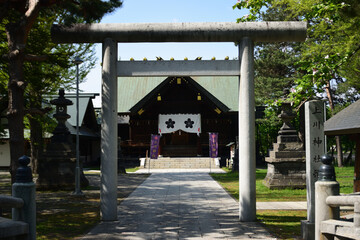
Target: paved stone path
[(178, 205)]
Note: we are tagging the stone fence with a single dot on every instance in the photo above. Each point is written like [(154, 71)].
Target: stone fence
[(10, 228), (328, 224), (343, 227), (23, 204)]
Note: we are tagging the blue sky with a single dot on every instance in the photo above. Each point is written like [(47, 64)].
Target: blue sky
[(167, 11)]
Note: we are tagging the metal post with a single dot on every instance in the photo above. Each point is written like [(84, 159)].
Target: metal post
[(78, 191)]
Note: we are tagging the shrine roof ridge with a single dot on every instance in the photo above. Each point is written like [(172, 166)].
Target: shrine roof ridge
[(271, 31)]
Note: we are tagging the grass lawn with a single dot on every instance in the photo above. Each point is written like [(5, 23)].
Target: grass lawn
[(284, 224), (129, 170)]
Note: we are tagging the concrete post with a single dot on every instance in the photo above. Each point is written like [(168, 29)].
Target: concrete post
[(24, 188), (323, 212), (324, 187), (108, 191), (247, 167), (315, 148), (357, 216)]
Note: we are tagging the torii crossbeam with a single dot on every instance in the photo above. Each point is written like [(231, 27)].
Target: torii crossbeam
[(243, 33)]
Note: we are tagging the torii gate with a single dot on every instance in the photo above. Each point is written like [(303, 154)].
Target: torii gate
[(243, 33)]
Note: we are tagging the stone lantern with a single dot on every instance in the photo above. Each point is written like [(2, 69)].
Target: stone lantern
[(61, 133), (286, 166), (57, 165)]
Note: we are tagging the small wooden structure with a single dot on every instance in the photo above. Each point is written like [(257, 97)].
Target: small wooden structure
[(347, 122)]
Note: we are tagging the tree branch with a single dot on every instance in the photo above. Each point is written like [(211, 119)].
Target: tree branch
[(38, 111), (36, 58), (12, 54), (30, 16)]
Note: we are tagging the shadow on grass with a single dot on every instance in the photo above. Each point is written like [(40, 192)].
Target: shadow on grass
[(283, 224), (260, 174)]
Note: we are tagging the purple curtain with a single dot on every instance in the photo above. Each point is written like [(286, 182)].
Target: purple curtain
[(154, 147), (213, 145)]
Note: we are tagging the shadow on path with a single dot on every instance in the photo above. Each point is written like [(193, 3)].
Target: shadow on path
[(178, 206)]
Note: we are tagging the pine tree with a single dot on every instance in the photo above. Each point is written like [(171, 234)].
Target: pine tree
[(17, 20)]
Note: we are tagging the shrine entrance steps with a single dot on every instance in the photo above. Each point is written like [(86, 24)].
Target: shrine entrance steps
[(180, 162)]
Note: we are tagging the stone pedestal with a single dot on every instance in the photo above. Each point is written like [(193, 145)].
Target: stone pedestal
[(286, 163), (57, 168)]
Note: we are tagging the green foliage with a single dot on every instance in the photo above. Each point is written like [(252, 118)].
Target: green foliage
[(254, 7), (275, 75), (330, 54), (274, 71), (267, 129), (47, 66), (46, 77), (327, 65), (31, 59)]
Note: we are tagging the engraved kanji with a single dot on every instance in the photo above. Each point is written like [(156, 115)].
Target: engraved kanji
[(317, 141)]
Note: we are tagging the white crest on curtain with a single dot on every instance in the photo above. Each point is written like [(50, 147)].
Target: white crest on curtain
[(169, 123)]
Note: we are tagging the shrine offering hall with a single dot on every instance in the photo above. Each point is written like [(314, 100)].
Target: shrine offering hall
[(183, 110)]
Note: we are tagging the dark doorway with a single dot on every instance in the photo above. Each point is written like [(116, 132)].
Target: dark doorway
[(179, 144)]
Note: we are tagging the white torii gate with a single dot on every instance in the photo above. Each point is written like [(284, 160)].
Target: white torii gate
[(243, 33)]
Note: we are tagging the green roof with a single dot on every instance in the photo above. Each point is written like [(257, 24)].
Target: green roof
[(226, 89), (132, 89)]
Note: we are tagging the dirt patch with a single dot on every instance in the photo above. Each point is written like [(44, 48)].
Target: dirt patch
[(59, 211)]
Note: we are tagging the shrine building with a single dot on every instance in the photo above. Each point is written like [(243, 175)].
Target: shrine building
[(183, 110)]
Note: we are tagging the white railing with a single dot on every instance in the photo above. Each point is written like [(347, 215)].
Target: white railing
[(342, 227)]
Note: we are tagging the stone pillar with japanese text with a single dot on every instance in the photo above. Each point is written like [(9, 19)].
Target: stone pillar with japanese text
[(315, 148)]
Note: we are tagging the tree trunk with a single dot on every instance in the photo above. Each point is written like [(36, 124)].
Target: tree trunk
[(339, 151), (16, 87), (17, 33), (337, 138), (36, 142)]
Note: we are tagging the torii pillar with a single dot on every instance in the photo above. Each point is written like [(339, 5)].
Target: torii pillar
[(247, 159), (109, 133), (244, 33)]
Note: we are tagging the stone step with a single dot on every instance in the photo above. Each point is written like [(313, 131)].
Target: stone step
[(287, 154), (189, 163), (285, 160)]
